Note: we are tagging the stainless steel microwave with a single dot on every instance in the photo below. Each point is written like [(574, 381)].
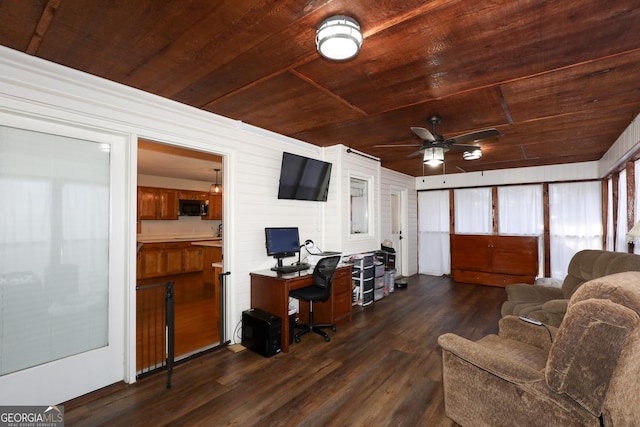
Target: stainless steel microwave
[(192, 207)]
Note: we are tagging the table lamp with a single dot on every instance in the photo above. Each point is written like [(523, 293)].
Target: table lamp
[(633, 236)]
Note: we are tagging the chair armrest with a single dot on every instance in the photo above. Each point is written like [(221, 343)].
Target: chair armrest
[(511, 327), (532, 293), (489, 360)]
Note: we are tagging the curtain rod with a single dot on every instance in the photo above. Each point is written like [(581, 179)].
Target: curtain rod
[(359, 153)]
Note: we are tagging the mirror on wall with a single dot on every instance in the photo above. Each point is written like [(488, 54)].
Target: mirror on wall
[(359, 200)]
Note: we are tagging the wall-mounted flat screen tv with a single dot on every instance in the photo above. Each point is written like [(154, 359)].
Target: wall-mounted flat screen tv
[(302, 178)]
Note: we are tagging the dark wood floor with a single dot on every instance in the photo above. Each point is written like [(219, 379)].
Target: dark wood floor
[(381, 369)]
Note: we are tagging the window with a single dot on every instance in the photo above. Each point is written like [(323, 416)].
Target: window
[(360, 200), (433, 233), (575, 212), (520, 213), (473, 212)]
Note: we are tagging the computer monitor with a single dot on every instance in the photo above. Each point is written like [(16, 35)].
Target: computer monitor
[(282, 242)]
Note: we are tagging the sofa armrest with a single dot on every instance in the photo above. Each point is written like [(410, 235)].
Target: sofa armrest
[(512, 327), (489, 360), (532, 293)]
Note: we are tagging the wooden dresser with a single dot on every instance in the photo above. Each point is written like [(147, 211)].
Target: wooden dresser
[(494, 260)]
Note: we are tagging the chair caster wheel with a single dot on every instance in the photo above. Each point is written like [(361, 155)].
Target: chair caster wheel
[(333, 328), (327, 338), (297, 339)]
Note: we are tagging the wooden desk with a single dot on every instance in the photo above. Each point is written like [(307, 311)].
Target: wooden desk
[(270, 292)]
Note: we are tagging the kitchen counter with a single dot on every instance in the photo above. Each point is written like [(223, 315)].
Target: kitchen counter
[(210, 243), (164, 239)]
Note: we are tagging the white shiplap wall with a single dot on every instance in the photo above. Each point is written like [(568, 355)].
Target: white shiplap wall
[(38, 89), (553, 173), (337, 224), (625, 146)]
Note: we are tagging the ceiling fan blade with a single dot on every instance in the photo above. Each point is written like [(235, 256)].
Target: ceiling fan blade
[(423, 134), (397, 145), (475, 136), (463, 147)]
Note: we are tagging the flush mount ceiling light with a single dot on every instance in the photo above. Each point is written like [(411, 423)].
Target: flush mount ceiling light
[(339, 38), (433, 156), (472, 154)]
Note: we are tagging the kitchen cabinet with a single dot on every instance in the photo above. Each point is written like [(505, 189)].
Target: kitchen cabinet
[(158, 260), (193, 195), (215, 206), (157, 203), (494, 260), (192, 258), (172, 258)]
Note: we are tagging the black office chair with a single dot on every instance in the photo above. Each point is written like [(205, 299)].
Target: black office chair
[(319, 291)]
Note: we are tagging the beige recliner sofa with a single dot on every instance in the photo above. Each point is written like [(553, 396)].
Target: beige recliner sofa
[(584, 373), (548, 304)]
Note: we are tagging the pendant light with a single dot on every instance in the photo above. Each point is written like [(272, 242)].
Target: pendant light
[(216, 188)]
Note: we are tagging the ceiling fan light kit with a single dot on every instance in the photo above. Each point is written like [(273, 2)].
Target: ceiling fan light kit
[(433, 156), (339, 38), (472, 154)]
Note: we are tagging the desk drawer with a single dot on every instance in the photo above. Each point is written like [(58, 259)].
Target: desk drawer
[(342, 281), (342, 307)]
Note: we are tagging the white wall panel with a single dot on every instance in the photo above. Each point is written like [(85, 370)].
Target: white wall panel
[(622, 149), (552, 173), (252, 157)]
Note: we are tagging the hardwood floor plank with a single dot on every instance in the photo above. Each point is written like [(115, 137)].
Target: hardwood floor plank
[(384, 368)]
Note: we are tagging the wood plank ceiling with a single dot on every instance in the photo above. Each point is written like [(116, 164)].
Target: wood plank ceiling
[(559, 79)]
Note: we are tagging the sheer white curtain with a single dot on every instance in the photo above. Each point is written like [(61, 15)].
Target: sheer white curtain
[(621, 241), (575, 212), (610, 244), (433, 233), (520, 209), (473, 211)]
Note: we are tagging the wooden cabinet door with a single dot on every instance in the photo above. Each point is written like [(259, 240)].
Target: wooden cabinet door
[(167, 204), (173, 261), (217, 254), (152, 262), (472, 252), (515, 255), (215, 206), (147, 203), (193, 195), (192, 259)]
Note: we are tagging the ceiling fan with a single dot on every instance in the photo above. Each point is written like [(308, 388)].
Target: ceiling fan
[(435, 145)]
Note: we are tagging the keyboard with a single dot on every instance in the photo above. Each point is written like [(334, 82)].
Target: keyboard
[(291, 268)]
